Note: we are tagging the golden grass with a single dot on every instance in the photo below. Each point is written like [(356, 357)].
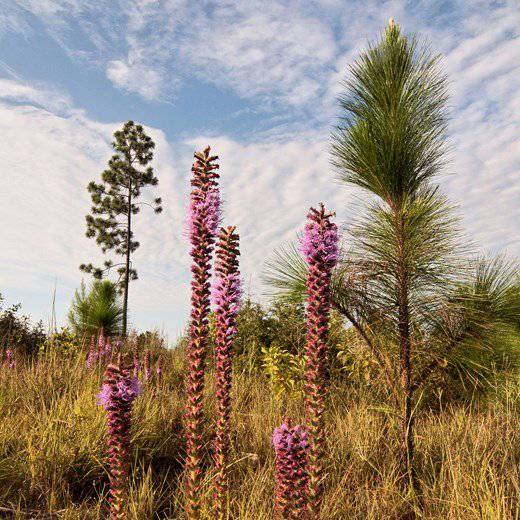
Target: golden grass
[(52, 450)]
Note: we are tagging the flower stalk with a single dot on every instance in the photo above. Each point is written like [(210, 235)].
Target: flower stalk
[(117, 396), (226, 297), (159, 368), (147, 368), (319, 245), (204, 216), (92, 353), (291, 447)]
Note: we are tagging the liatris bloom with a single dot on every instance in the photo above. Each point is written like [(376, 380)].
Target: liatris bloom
[(117, 395), (226, 297), (92, 354), (147, 369), (319, 246), (137, 364), (291, 447), (204, 216), (108, 348), (101, 344), (159, 368), (9, 359)]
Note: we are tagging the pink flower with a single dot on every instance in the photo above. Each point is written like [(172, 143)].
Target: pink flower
[(204, 212), (125, 390), (118, 393), (320, 239), (291, 446)]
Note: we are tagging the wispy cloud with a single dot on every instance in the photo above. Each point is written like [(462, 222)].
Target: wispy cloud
[(288, 57)]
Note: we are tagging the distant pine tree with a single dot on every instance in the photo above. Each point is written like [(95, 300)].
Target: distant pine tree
[(114, 201)]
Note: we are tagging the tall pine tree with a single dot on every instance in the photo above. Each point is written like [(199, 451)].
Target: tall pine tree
[(116, 199)]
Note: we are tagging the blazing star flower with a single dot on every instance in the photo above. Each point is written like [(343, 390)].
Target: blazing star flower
[(159, 368), (204, 215), (320, 239), (319, 245), (147, 369), (136, 361), (108, 348), (226, 297), (9, 358), (125, 390), (101, 344), (92, 354), (204, 212), (291, 446), (118, 393)]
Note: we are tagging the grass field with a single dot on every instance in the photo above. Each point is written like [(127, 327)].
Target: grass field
[(52, 448)]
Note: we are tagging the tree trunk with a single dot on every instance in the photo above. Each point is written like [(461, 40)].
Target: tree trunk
[(407, 432), (127, 264)]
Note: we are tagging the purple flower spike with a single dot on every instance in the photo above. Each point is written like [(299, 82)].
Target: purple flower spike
[(92, 354), (159, 368), (10, 359), (320, 239), (101, 344), (147, 368), (226, 297), (136, 361), (291, 446), (204, 215), (117, 396), (320, 247), (125, 390)]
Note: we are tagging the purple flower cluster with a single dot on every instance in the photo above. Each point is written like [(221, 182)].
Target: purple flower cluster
[(291, 446), (227, 293), (159, 368), (147, 368), (204, 212), (117, 396), (136, 361), (125, 390), (92, 354), (320, 239), (102, 350), (10, 360)]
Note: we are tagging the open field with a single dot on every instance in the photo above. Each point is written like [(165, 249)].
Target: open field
[(52, 449)]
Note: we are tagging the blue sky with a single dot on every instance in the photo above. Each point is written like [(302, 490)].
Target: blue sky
[(258, 80)]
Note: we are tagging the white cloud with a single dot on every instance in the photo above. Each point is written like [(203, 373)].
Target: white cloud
[(44, 95), (132, 77), (291, 53)]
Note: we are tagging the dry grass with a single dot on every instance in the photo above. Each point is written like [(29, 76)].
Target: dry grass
[(52, 450)]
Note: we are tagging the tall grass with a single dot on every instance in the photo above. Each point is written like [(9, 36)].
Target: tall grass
[(52, 448)]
